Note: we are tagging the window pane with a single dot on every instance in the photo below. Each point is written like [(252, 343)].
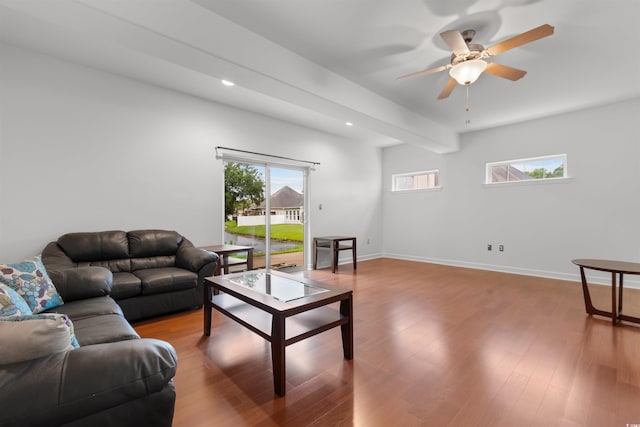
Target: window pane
[(499, 173), (548, 167), (415, 181), (404, 183), (516, 172)]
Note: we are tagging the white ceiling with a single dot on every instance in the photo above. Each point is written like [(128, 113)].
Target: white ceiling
[(320, 63)]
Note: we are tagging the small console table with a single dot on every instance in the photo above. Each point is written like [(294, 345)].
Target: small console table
[(615, 268), (333, 243), (225, 250)]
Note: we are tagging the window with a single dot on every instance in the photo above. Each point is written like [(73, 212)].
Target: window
[(535, 168), (415, 181)]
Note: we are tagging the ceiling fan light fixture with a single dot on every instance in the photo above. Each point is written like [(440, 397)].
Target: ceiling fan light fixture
[(468, 72)]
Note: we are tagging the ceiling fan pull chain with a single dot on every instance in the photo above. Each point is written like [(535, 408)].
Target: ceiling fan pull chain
[(467, 106)]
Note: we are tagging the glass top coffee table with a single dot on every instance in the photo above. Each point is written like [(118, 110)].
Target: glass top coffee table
[(281, 308)]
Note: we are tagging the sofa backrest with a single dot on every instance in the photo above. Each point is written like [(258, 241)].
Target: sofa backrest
[(121, 251), (149, 243), (96, 246), (153, 248)]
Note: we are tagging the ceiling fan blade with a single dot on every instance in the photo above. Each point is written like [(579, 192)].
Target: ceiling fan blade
[(455, 41), (524, 38), (504, 71), (424, 72), (448, 88)]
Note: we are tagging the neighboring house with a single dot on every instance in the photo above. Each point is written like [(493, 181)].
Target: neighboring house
[(499, 174), (287, 203)]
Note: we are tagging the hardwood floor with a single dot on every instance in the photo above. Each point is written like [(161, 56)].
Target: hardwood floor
[(434, 346)]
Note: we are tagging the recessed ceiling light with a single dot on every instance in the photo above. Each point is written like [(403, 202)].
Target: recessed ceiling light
[(228, 83), (349, 124)]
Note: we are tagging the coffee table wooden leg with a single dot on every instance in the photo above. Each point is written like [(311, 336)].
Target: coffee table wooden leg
[(278, 354), (346, 309)]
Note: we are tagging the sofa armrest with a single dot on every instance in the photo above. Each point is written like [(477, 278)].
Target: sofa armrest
[(71, 385), (194, 259), (54, 258), (82, 282)]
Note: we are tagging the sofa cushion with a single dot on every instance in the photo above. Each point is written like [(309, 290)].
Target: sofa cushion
[(29, 278), (11, 303), (168, 279), (31, 337), (95, 246), (114, 265), (104, 328), (153, 262), (89, 307), (98, 320), (125, 285), (151, 243)]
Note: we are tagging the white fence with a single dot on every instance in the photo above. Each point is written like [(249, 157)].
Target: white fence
[(259, 220)]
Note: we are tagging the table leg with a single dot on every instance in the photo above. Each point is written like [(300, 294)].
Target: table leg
[(278, 354), (334, 255), (620, 297), (225, 264), (588, 305), (315, 253), (250, 259), (346, 309), (353, 249), (614, 309), (207, 309)]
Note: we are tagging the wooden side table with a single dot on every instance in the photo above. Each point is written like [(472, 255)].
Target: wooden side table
[(333, 243), (225, 250), (615, 268)]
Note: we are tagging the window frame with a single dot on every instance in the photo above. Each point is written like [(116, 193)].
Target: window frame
[(435, 172), (490, 165)]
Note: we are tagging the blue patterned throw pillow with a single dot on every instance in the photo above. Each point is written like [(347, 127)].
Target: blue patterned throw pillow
[(29, 278), (11, 303)]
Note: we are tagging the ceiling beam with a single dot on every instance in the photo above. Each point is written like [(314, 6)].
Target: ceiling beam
[(206, 43)]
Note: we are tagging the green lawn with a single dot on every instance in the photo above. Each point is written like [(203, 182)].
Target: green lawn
[(294, 232)]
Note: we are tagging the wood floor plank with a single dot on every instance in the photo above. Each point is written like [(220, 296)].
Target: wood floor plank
[(434, 346)]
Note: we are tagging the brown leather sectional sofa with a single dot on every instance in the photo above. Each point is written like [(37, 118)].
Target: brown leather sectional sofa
[(114, 378)]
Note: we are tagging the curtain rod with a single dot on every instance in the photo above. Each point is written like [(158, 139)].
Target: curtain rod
[(267, 155)]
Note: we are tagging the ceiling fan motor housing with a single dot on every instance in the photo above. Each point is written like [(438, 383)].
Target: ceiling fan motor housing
[(468, 35), (476, 51)]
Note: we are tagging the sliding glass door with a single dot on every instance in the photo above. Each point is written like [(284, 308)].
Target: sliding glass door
[(274, 226), (286, 236)]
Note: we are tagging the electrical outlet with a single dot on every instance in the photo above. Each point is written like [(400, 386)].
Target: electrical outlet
[(489, 247), (501, 248)]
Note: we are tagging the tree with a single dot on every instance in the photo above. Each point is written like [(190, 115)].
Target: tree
[(540, 173), (243, 187)]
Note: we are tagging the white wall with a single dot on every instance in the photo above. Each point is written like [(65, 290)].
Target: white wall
[(542, 226), (84, 150)]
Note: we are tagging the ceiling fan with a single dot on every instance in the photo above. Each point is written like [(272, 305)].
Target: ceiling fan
[(468, 59)]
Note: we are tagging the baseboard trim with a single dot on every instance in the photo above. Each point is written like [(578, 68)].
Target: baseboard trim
[(593, 277)]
